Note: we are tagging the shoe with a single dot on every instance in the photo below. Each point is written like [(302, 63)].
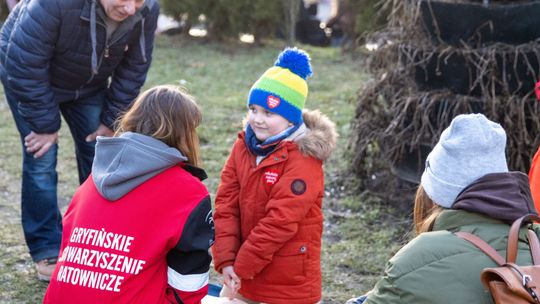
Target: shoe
[(45, 269), (358, 300)]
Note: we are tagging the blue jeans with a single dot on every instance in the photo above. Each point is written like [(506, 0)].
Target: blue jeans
[(41, 218)]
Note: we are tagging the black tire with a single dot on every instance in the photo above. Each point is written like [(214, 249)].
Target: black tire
[(476, 25), (508, 73)]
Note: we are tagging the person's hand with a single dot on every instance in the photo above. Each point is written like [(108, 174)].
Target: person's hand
[(231, 280), (39, 144), (102, 130)]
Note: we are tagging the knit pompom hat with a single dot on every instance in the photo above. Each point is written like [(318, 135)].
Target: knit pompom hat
[(282, 89), (471, 147)]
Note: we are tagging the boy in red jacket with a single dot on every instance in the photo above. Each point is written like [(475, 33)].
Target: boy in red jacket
[(268, 213)]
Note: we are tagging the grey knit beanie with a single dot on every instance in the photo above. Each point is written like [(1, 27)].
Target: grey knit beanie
[(471, 147)]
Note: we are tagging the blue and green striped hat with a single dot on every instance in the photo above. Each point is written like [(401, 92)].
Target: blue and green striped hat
[(282, 89)]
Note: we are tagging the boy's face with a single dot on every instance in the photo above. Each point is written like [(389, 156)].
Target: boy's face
[(266, 124), (120, 10)]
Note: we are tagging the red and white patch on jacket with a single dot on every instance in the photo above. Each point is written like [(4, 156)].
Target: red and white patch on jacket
[(272, 101), (271, 177)]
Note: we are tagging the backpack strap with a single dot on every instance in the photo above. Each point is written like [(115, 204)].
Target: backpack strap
[(513, 236), (483, 246), (534, 244)]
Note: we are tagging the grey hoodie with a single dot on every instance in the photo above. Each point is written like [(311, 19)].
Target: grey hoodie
[(122, 163)]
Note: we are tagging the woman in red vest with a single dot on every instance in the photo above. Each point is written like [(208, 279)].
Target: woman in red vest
[(139, 229)]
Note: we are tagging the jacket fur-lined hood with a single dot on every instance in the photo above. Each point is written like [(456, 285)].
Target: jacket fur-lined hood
[(320, 139)]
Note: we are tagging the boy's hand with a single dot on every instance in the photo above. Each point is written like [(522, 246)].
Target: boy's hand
[(231, 280)]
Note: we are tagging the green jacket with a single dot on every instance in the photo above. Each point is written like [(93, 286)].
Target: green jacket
[(438, 267)]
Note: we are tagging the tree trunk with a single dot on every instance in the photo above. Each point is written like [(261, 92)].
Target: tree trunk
[(291, 8)]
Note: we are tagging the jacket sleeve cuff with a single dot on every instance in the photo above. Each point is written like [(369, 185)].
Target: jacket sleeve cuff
[(246, 273), (107, 120), (219, 268), (110, 111), (45, 129)]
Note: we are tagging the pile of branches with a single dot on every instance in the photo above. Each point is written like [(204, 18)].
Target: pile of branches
[(420, 83)]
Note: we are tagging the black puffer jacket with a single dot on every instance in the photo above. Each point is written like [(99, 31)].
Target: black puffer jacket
[(52, 51)]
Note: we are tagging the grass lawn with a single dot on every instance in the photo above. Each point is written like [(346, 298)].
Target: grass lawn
[(360, 234)]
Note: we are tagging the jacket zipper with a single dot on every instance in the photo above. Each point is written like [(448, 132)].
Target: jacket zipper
[(104, 54)]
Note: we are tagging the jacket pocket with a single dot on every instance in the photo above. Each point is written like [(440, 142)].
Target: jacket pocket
[(288, 265)]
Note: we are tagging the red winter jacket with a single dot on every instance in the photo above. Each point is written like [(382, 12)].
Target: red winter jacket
[(268, 217), (534, 179), (149, 246)]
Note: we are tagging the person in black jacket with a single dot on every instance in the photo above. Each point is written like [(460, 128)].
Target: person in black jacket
[(84, 59)]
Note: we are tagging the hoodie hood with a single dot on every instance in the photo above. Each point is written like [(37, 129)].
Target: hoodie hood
[(122, 163), (319, 140), (503, 196)]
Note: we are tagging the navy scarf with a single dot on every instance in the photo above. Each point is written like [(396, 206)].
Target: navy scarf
[(269, 145)]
